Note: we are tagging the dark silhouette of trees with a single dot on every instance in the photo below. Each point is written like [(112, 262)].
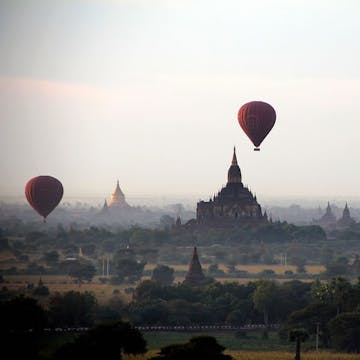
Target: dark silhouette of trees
[(164, 274), (107, 341), (21, 314), (324, 312), (200, 347), (345, 331), (72, 309), (21, 325)]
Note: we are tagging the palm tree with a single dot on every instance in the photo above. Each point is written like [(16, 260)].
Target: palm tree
[(299, 335)]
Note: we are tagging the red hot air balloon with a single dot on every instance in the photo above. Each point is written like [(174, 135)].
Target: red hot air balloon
[(44, 193), (256, 118)]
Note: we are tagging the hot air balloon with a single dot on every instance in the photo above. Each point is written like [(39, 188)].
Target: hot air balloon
[(44, 193), (256, 118)]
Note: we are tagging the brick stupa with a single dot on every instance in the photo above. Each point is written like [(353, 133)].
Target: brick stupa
[(195, 275)]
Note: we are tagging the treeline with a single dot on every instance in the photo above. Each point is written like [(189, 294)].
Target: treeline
[(330, 309), (42, 252)]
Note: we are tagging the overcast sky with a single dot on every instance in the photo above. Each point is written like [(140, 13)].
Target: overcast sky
[(147, 92)]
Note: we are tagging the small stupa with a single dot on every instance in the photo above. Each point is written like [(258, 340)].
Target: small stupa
[(195, 275), (105, 208)]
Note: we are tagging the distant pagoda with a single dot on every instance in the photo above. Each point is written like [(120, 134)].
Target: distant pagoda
[(195, 275), (346, 220), (328, 220), (105, 208), (328, 217), (117, 199)]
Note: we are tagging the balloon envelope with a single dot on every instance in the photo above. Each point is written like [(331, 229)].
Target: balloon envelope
[(44, 193), (256, 118)]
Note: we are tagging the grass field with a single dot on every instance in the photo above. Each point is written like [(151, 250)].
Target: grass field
[(266, 355)]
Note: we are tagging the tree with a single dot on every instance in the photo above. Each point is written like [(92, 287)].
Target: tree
[(213, 270), (167, 222), (51, 257), (81, 270), (264, 299), (129, 270), (336, 292), (21, 314), (200, 347), (236, 317), (21, 326), (338, 267), (127, 267), (345, 331), (149, 290), (312, 316), (108, 341), (340, 289), (299, 336), (164, 274), (299, 262), (72, 309)]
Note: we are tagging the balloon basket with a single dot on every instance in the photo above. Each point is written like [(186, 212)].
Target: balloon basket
[(256, 149)]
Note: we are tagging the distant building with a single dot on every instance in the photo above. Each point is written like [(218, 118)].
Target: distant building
[(234, 203), (195, 275), (346, 220), (329, 222), (117, 209), (118, 198), (105, 208)]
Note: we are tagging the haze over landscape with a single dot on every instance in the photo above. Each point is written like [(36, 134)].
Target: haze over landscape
[(137, 221), (148, 93)]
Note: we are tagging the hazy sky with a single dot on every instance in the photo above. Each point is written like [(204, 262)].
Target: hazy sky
[(147, 92)]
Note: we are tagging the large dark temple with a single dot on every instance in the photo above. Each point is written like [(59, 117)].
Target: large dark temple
[(234, 203)]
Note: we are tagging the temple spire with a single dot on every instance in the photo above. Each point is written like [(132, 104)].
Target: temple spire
[(234, 173), (234, 159), (346, 211)]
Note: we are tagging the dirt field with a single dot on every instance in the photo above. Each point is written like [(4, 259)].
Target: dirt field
[(60, 283), (253, 269), (104, 292)]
